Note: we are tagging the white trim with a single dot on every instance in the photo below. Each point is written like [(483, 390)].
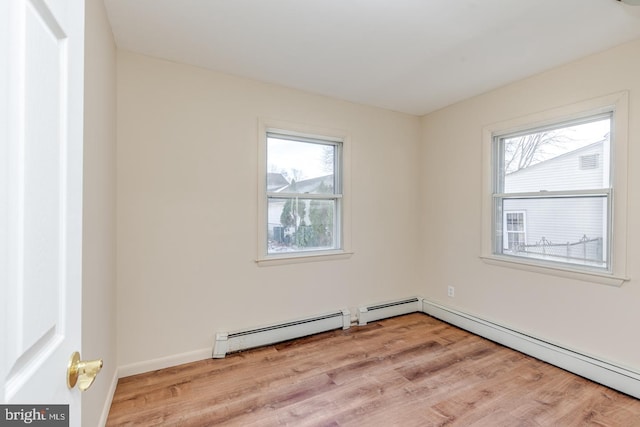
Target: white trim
[(163, 362), (555, 269), (619, 104), (311, 196), (600, 371), (107, 403), (604, 192), (300, 257)]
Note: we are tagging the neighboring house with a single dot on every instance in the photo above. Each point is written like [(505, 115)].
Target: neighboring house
[(276, 230), (311, 185), (276, 181), (560, 227)]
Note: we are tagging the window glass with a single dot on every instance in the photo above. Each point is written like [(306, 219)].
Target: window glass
[(552, 195), (303, 194), (307, 167)]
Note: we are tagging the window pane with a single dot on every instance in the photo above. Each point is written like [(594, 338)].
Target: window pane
[(569, 158), (300, 167), (570, 229), (515, 221), (297, 224)]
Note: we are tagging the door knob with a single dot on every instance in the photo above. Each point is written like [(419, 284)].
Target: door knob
[(82, 372)]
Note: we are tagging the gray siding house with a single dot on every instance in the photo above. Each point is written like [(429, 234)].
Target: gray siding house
[(564, 229)]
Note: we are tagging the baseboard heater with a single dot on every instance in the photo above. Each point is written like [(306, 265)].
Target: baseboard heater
[(388, 309), (608, 374), (229, 342)]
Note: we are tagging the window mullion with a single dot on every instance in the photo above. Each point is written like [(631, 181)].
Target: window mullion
[(319, 196), (601, 192)]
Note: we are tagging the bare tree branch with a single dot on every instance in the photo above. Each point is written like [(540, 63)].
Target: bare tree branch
[(527, 150)]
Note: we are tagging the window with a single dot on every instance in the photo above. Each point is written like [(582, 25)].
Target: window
[(568, 207), (302, 195), (537, 171), (549, 184), (514, 231)]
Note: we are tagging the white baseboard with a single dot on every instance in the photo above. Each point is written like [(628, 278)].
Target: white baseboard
[(616, 377), (109, 400), (163, 362)]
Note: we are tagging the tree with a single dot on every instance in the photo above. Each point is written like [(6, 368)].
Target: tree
[(321, 217), (523, 151), (328, 158), (292, 217), (293, 213)]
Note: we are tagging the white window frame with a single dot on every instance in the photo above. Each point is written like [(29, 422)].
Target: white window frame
[(616, 103), (342, 197)]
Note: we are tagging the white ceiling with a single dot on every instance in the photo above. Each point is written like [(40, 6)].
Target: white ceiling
[(413, 56)]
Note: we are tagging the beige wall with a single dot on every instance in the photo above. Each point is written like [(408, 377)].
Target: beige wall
[(99, 233), (592, 318), (186, 211), (187, 203)]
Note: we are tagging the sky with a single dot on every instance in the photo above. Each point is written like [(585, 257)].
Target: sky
[(307, 158)]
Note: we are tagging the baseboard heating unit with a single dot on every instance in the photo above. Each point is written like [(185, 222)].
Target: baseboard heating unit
[(388, 309), (229, 342), (600, 371)]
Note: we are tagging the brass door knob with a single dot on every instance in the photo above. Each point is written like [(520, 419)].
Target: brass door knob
[(82, 372)]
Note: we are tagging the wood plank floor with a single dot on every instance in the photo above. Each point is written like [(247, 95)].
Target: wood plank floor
[(410, 370)]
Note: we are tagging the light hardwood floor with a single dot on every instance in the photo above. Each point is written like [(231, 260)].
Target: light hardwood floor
[(410, 370)]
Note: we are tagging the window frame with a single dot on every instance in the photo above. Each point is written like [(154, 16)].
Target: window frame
[(342, 223), (501, 195), (615, 275)]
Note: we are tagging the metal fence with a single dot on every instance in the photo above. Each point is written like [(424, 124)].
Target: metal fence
[(586, 249)]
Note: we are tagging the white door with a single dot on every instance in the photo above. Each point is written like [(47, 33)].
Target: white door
[(42, 68)]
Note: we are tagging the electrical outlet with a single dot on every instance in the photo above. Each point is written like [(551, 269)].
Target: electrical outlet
[(451, 291)]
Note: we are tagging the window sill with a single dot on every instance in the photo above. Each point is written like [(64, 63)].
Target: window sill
[(583, 275), (300, 257)]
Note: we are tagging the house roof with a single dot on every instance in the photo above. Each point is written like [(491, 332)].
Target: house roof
[(310, 185), (276, 181)]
